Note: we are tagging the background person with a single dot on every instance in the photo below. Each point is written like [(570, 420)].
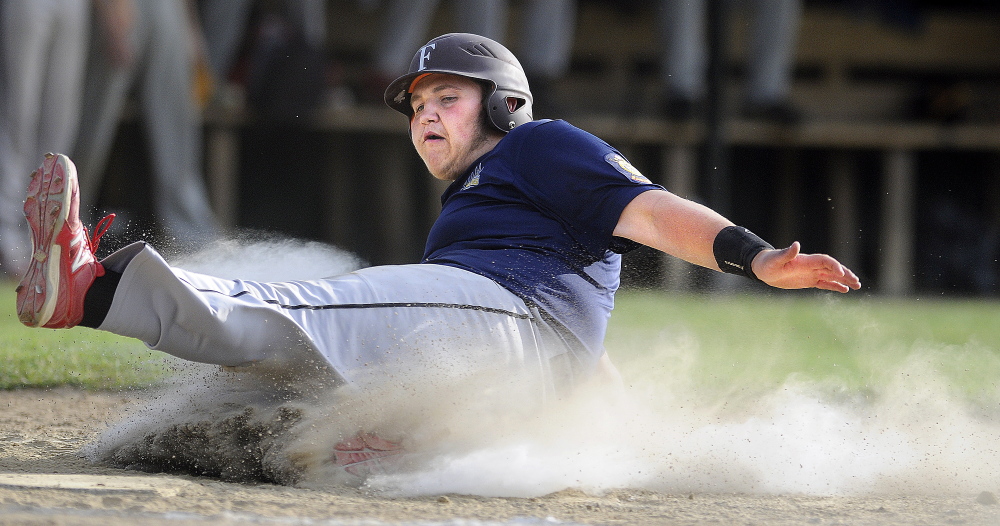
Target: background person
[(770, 57), (150, 45), (43, 48)]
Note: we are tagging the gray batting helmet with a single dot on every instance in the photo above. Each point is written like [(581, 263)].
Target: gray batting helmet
[(475, 57)]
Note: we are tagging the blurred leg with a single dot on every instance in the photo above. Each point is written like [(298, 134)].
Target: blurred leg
[(486, 18), (105, 89), (547, 37), (173, 123), (405, 29), (224, 23), (682, 28), (772, 50), (44, 45)]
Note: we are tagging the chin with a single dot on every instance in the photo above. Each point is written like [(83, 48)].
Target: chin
[(444, 176), (443, 173)]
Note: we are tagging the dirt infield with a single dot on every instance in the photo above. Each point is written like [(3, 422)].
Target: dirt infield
[(44, 481)]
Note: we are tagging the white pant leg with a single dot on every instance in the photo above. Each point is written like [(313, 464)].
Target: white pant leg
[(62, 92), (405, 28), (376, 322), (173, 123), (682, 29), (162, 64), (547, 37), (486, 18), (772, 49), (407, 23), (106, 88), (44, 49), (155, 305), (224, 24)]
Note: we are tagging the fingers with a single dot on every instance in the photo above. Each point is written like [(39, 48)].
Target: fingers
[(838, 277), (788, 254), (833, 286), (843, 276), (788, 268), (794, 249), (851, 279), (769, 262)]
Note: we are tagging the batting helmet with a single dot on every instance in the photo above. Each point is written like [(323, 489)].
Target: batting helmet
[(508, 104)]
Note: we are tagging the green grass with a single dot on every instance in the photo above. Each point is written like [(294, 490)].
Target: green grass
[(743, 341), (736, 341), (78, 357)]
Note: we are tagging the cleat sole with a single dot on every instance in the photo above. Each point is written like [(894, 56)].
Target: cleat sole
[(38, 292)]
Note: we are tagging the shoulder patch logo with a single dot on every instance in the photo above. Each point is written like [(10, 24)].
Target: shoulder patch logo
[(474, 178), (622, 165)]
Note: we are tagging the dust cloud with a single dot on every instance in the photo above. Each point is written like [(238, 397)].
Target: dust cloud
[(913, 429), (912, 435)]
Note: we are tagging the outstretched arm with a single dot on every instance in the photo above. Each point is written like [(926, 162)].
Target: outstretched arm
[(685, 229)]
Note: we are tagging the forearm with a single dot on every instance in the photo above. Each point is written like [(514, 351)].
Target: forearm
[(674, 225), (688, 230)]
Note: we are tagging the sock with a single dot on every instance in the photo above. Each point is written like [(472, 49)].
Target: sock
[(97, 302)]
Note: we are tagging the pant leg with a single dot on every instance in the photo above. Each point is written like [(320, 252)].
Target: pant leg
[(196, 319), (547, 37), (772, 49), (310, 17), (224, 23), (62, 91), (405, 29), (43, 44), (486, 18), (682, 29), (390, 321), (23, 47), (106, 87), (173, 123)]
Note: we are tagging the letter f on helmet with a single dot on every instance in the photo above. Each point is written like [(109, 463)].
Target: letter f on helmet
[(425, 54)]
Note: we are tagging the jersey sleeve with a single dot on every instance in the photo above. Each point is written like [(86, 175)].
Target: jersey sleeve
[(580, 180)]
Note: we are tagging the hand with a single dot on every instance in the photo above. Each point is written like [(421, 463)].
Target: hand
[(117, 20), (788, 269)]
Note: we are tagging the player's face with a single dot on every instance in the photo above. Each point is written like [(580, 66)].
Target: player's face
[(447, 127)]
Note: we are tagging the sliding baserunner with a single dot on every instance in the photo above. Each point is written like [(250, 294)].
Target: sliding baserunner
[(519, 270)]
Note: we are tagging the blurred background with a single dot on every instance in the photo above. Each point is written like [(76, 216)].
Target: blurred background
[(869, 130)]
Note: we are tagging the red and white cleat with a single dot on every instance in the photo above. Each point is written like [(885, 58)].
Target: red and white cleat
[(62, 266), (367, 454)]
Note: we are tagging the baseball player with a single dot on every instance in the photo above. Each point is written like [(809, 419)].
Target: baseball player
[(520, 269)]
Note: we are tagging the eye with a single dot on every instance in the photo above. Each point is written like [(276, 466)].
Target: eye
[(418, 109)]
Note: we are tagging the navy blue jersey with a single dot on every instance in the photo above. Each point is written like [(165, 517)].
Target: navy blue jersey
[(536, 214)]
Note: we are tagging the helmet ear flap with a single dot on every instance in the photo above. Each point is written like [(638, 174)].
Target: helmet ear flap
[(508, 109), (515, 103)]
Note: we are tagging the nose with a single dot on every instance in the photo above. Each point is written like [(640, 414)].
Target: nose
[(428, 115)]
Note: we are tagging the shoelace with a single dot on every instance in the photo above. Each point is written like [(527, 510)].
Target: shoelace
[(100, 229), (94, 241)]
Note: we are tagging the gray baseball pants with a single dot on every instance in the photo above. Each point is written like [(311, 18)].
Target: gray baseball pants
[(381, 321)]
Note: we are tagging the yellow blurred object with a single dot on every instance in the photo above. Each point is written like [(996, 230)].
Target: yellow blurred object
[(203, 83)]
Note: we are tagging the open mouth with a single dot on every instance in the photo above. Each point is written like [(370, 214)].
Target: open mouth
[(432, 137)]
